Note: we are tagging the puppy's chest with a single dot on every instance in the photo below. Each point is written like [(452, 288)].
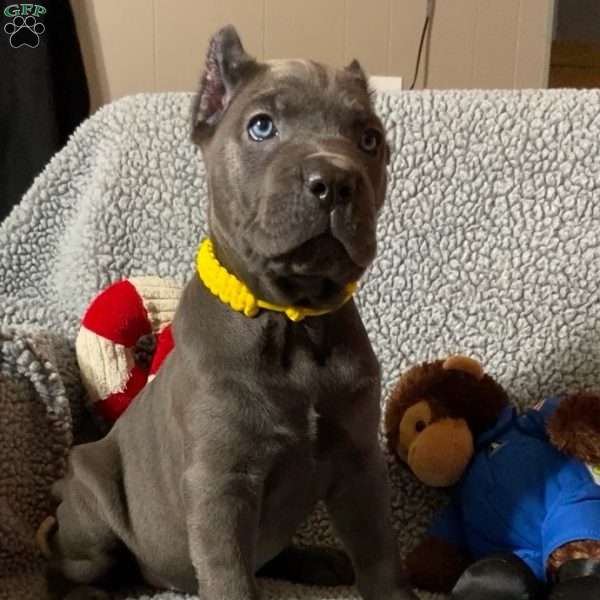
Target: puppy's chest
[(319, 382), (328, 394), (309, 361)]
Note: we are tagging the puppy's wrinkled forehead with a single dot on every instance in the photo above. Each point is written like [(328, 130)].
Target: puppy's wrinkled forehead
[(301, 71), (300, 85)]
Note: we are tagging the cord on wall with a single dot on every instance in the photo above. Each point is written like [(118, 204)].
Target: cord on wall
[(426, 24)]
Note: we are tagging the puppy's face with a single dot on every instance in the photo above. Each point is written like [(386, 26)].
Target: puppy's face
[(295, 159)]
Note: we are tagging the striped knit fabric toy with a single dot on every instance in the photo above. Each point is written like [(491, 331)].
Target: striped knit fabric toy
[(117, 319)]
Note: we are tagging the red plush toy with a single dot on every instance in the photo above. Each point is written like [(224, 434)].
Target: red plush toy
[(125, 320)]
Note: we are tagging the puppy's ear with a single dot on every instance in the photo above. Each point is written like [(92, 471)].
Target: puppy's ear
[(226, 65), (356, 70)]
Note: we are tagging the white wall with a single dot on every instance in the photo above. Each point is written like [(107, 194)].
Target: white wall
[(132, 46)]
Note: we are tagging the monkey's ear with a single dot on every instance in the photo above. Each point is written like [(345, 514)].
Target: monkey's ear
[(465, 364), (227, 63)]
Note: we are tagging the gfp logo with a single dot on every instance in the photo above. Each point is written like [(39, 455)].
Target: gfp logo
[(25, 28)]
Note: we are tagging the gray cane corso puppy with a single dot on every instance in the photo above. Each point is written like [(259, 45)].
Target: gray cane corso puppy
[(250, 421)]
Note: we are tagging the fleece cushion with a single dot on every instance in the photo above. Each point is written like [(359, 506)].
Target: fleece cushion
[(488, 245)]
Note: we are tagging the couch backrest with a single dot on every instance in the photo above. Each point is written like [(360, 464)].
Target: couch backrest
[(489, 241)]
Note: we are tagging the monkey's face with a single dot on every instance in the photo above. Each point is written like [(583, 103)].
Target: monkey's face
[(436, 447), (431, 416)]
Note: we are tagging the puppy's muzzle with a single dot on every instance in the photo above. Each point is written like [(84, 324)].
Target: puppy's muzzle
[(331, 183), (339, 186)]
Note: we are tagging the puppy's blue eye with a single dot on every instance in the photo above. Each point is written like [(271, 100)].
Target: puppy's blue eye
[(261, 127)]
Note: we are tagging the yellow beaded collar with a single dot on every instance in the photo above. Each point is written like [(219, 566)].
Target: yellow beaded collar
[(231, 291)]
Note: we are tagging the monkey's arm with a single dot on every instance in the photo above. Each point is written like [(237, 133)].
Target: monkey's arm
[(574, 427)]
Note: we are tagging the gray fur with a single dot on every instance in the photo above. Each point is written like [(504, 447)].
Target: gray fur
[(206, 477)]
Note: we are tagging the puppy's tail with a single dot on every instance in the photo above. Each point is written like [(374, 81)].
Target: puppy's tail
[(45, 531)]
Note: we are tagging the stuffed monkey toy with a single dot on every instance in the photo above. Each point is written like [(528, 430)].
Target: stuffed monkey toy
[(524, 517)]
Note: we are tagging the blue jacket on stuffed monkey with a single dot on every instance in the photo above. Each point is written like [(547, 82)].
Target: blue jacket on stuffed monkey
[(525, 484), (521, 494)]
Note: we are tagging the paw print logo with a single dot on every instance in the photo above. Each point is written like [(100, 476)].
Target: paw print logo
[(24, 31)]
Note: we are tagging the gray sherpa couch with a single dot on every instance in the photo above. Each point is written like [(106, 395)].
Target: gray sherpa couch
[(489, 245)]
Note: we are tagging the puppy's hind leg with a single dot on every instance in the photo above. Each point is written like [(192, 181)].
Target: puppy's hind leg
[(81, 540), (79, 559)]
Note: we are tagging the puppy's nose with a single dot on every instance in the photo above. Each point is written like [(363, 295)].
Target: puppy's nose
[(331, 184)]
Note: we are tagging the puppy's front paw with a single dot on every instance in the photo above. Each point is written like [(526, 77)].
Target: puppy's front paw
[(331, 567), (311, 565), (87, 593), (402, 594), (407, 595)]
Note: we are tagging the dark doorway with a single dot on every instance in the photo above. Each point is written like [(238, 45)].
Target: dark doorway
[(575, 58)]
